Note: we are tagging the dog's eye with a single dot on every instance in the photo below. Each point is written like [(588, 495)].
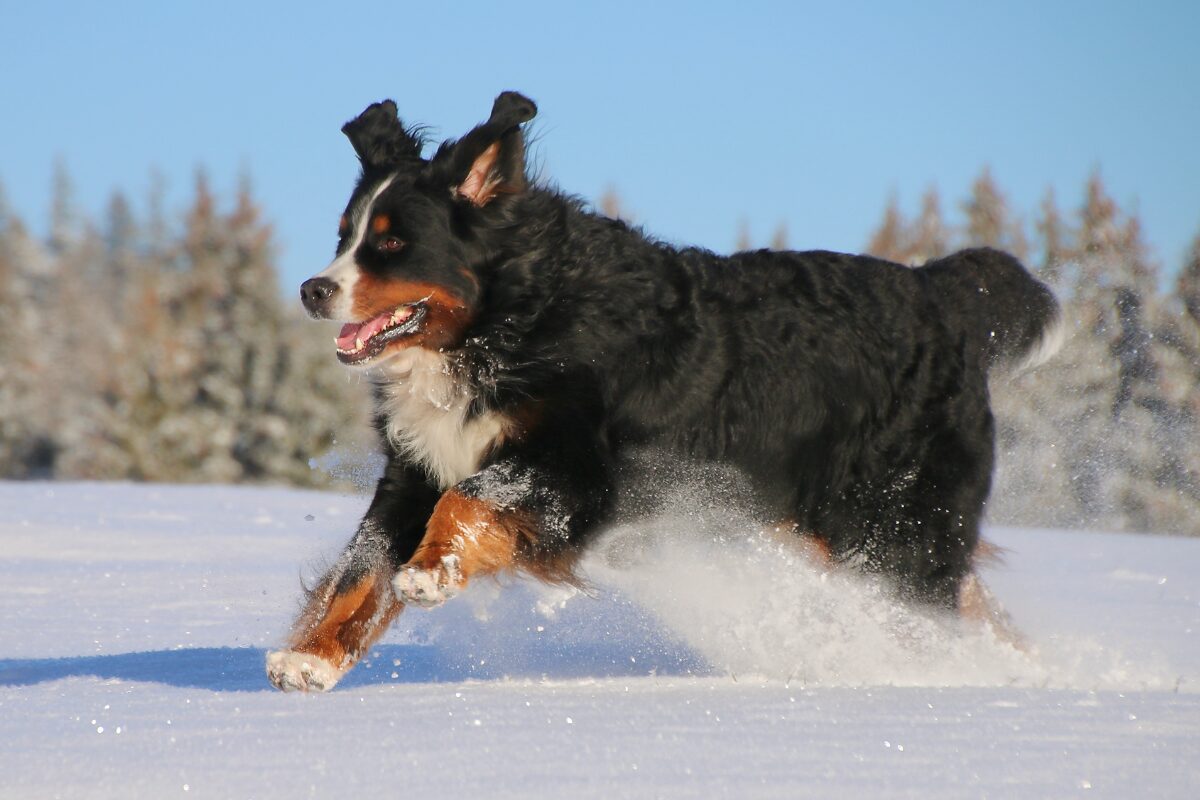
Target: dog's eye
[(390, 244)]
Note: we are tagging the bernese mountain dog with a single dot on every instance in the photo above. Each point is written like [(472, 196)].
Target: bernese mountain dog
[(522, 346)]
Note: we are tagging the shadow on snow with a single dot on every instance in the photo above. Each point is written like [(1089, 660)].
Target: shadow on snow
[(240, 669)]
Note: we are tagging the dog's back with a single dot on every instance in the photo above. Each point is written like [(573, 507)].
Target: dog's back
[(854, 391)]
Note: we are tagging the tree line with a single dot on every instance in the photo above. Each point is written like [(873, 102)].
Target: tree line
[(162, 350), (1106, 434), (146, 349)]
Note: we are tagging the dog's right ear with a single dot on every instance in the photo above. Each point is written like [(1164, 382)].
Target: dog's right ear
[(490, 160), (380, 139)]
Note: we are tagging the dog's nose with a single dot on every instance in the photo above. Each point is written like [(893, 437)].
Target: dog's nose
[(315, 293)]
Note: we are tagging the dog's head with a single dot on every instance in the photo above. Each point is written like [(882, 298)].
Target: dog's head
[(414, 237)]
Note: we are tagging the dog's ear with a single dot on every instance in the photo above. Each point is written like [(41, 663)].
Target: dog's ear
[(380, 139), (490, 160)]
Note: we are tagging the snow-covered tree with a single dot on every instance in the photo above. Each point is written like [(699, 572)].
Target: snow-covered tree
[(930, 238), (890, 239), (989, 221), (1103, 435), (177, 361), (926, 238), (1055, 239), (22, 423)]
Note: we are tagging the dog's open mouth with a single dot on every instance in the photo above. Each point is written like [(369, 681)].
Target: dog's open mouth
[(362, 341)]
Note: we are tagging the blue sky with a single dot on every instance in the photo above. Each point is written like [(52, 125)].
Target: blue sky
[(807, 114)]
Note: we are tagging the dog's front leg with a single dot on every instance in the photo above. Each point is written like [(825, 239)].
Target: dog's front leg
[(530, 509), (353, 603)]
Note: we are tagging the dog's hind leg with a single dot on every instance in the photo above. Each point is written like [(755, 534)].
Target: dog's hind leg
[(812, 548), (978, 606)]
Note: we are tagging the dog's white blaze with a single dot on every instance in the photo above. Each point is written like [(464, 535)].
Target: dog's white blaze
[(428, 419), (343, 270)]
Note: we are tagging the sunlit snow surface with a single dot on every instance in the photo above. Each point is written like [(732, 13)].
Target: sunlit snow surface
[(703, 661)]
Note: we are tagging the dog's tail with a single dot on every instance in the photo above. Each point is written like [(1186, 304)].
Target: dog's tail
[(1004, 312)]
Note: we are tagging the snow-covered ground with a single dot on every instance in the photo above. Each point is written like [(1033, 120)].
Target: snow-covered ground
[(704, 662)]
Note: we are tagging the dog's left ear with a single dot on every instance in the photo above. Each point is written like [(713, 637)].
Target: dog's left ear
[(490, 160)]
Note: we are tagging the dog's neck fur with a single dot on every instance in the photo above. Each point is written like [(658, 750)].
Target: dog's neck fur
[(427, 411)]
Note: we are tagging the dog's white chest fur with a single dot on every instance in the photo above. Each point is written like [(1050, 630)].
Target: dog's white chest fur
[(427, 411)]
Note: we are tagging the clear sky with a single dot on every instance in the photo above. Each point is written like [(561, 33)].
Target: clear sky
[(809, 114)]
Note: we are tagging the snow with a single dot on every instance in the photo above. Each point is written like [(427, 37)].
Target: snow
[(702, 661)]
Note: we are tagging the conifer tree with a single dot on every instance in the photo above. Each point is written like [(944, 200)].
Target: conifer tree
[(19, 417), (63, 225), (141, 350), (929, 238), (1054, 237), (1187, 286), (889, 241), (779, 239), (610, 204), (989, 222), (743, 241)]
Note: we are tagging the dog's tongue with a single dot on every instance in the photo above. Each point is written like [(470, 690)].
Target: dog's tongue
[(352, 331)]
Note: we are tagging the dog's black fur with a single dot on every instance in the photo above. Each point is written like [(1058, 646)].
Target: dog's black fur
[(852, 391)]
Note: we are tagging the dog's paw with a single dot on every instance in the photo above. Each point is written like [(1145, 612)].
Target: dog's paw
[(428, 588), (293, 671)]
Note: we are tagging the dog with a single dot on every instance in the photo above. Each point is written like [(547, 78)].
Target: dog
[(521, 346)]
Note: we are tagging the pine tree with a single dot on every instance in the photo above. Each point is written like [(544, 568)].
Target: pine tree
[(1055, 238), (1043, 443), (1107, 434), (80, 355), (889, 240), (743, 241), (779, 239), (179, 362), (989, 223), (610, 204), (248, 403), (1124, 420), (925, 239), (1100, 239), (1187, 286), (19, 417), (63, 223), (120, 244), (929, 238)]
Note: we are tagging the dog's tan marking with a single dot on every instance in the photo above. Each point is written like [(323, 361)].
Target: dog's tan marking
[(482, 538), (380, 223), (447, 315), (518, 423), (340, 626), (812, 547), (978, 605)]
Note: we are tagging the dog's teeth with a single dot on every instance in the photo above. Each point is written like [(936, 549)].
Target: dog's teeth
[(358, 345)]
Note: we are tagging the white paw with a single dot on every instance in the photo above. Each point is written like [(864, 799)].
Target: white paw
[(293, 671), (428, 588)]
